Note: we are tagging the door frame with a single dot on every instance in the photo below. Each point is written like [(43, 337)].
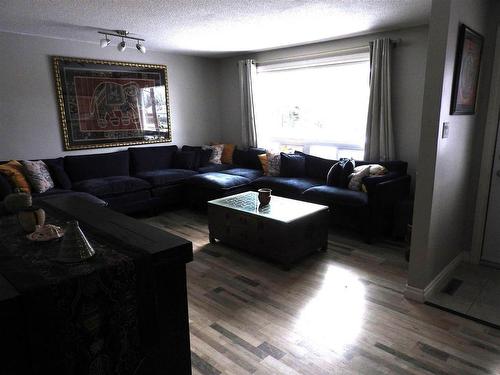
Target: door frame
[(487, 159)]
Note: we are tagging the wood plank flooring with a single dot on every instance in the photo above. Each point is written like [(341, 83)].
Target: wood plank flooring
[(339, 312)]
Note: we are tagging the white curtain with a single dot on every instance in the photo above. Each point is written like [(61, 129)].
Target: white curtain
[(248, 72), (379, 132)]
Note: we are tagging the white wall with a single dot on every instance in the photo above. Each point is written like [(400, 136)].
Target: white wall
[(408, 72), (446, 172), (29, 119)]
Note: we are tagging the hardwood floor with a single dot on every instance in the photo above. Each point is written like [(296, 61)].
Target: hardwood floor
[(339, 312)]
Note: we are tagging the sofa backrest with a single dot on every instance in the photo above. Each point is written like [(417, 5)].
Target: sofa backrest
[(145, 159), (248, 158), (317, 167), (86, 167)]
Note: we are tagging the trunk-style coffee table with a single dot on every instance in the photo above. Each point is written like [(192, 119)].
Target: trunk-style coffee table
[(284, 231)]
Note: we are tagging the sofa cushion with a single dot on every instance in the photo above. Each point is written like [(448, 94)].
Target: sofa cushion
[(218, 181), (317, 167), (144, 159), (87, 167), (292, 165), (286, 185), (331, 195), (59, 175), (5, 188), (202, 156), (113, 185), (251, 174), (166, 176), (248, 158), (185, 160), (214, 168)]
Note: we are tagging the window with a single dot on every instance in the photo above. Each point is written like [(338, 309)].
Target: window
[(318, 106)]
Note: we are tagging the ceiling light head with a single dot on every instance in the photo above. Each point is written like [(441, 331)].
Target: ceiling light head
[(140, 47), (105, 42), (121, 47)]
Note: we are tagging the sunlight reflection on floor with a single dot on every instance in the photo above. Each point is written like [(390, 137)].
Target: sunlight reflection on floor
[(333, 318)]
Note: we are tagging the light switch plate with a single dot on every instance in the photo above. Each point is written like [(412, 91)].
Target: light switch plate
[(446, 130)]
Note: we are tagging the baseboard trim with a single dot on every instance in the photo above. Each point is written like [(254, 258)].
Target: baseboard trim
[(414, 294), (421, 295)]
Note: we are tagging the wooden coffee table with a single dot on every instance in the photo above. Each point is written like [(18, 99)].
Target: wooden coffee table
[(283, 231)]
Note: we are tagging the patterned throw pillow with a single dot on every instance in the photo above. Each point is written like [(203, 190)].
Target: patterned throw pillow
[(14, 171), (273, 163), (216, 156), (38, 175)]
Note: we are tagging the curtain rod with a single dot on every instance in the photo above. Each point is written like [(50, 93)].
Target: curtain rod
[(395, 42)]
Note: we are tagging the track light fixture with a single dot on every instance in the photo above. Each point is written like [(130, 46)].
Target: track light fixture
[(140, 47), (105, 42), (122, 45)]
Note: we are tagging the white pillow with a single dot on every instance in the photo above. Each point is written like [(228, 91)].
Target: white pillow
[(216, 155), (356, 178)]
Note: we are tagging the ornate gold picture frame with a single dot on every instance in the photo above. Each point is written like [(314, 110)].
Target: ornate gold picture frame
[(110, 103)]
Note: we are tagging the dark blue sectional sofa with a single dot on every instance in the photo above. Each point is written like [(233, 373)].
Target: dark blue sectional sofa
[(146, 178)]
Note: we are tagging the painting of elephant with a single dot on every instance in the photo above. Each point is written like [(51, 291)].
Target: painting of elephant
[(115, 105), (111, 103)]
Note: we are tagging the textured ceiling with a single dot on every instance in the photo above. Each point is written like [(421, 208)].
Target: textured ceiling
[(215, 27)]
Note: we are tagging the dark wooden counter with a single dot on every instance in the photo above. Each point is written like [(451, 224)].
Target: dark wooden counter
[(167, 255)]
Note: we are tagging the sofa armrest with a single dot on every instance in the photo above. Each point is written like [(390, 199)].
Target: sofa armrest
[(389, 191), (371, 181)]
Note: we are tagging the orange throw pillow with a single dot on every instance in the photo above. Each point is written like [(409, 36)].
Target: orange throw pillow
[(14, 171), (264, 163), (227, 153)]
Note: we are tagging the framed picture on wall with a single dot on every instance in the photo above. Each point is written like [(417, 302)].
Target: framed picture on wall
[(109, 103), (466, 74)]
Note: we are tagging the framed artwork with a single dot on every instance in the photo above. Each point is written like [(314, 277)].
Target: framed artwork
[(110, 103), (466, 74)]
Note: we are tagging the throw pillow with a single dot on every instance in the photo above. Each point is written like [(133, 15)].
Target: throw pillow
[(377, 170), (273, 164), (334, 175), (14, 171), (185, 160), (216, 154), (38, 175), (227, 153), (292, 165), (264, 163), (357, 177), (253, 157), (348, 166), (58, 174)]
